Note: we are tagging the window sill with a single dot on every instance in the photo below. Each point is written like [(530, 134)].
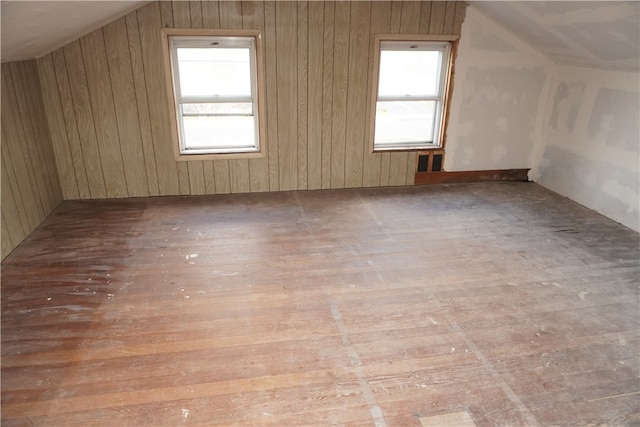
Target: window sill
[(429, 147), (186, 157)]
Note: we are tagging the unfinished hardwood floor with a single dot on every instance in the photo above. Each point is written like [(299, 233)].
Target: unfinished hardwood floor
[(490, 304)]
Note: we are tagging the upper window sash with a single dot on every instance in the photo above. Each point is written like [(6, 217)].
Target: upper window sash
[(439, 47), (209, 42)]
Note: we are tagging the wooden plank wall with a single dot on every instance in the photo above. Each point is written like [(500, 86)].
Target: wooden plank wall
[(30, 184), (108, 111)]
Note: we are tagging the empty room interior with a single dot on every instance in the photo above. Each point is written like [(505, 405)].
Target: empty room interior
[(320, 213)]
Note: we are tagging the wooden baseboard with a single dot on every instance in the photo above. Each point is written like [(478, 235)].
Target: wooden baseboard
[(472, 176)]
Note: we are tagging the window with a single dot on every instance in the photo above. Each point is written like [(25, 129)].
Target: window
[(215, 92), (412, 82)]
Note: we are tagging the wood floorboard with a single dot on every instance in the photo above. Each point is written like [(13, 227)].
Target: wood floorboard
[(361, 307)]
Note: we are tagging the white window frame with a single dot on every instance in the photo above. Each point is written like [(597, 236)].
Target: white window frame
[(198, 38), (441, 43)]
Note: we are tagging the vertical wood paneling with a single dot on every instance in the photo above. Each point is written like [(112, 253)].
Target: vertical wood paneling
[(41, 152), (271, 69), (30, 186), (222, 179), (140, 87), (396, 16), (230, 14), (104, 118), (210, 14), (287, 81), (449, 17), (340, 84), (327, 91), (57, 129), (410, 17), (13, 209), (74, 125), (425, 17), (302, 102), (195, 10), (209, 177), (438, 9), (15, 142), (239, 176), (25, 128), (7, 240), (126, 107), (108, 113), (19, 214), (45, 148), (357, 92), (314, 95), (149, 24)]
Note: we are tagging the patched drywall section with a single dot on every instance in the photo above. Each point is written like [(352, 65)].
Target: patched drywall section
[(498, 115), (566, 104), (591, 137), (614, 119), (495, 108)]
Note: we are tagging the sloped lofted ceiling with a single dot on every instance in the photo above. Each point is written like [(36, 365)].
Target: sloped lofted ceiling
[(31, 29), (602, 34)]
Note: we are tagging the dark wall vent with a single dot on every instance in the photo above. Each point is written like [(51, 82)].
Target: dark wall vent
[(430, 161), (437, 163), (423, 162)]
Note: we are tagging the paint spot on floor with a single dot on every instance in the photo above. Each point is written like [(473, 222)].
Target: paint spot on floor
[(454, 419)]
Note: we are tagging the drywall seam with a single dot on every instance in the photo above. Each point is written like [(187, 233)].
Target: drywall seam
[(539, 141)]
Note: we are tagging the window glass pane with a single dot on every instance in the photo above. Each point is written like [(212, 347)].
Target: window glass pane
[(408, 72), (404, 122), (218, 132), (218, 109), (214, 71)]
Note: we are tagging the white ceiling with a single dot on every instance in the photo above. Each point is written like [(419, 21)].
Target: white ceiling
[(603, 34), (31, 29)]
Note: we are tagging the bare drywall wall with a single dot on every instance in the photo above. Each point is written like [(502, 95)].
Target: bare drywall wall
[(498, 86), (577, 128), (591, 135)]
